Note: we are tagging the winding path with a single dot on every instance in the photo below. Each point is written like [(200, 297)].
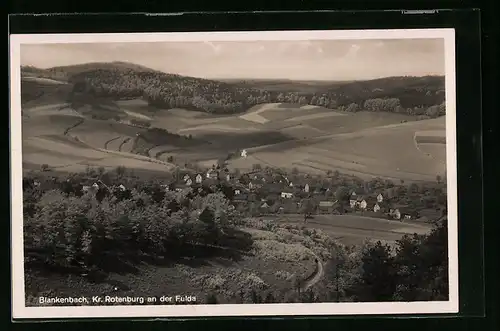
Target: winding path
[(315, 276)]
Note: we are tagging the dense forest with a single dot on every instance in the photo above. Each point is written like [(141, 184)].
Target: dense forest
[(422, 96)]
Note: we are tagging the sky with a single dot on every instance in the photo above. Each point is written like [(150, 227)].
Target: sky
[(296, 60)]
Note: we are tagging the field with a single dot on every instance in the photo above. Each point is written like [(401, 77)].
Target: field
[(390, 151), (65, 140), (310, 138), (355, 229)]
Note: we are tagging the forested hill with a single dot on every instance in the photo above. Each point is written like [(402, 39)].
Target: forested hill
[(119, 80)]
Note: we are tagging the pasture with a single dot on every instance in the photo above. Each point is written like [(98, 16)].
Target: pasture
[(355, 229)]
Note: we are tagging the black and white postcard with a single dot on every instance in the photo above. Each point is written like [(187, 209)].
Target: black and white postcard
[(234, 174)]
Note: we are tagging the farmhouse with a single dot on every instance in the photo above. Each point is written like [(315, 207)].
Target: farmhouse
[(199, 178), (376, 208), (212, 173), (189, 182), (286, 194), (407, 213), (244, 153), (306, 188), (363, 204)]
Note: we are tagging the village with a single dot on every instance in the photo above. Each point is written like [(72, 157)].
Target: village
[(268, 191)]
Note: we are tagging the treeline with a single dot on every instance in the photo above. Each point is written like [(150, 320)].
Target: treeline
[(416, 269), (410, 95)]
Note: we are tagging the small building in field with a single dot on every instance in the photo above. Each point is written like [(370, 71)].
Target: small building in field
[(199, 179), (244, 153), (326, 207), (376, 208), (363, 204), (189, 182), (286, 195)]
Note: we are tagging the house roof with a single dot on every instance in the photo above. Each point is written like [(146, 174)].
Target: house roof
[(326, 203), (242, 196)]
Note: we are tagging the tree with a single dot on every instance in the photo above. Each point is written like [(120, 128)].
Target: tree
[(307, 208), (378, 275), (422, 263)]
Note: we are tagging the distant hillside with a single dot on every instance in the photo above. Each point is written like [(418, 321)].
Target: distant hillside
[(121, 80)]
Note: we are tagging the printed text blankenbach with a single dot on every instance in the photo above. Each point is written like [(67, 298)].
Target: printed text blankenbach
[(64, 300)]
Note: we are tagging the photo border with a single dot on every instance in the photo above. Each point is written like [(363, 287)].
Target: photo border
[(19, 311)]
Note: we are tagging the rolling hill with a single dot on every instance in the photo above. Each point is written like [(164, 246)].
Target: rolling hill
[(133, 112), (121, 80)]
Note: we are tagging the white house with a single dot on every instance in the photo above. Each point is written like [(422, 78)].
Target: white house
[(244, 153), (380, 198), (228, 177), (186, 177), (353, 199), (306, 188), (362, 204), (286, 195), (122, 188), (291, 184), (264, 205), (199, 179), (189, 182), (376, 208), (236, 192), (250, 185), (211, 173)]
